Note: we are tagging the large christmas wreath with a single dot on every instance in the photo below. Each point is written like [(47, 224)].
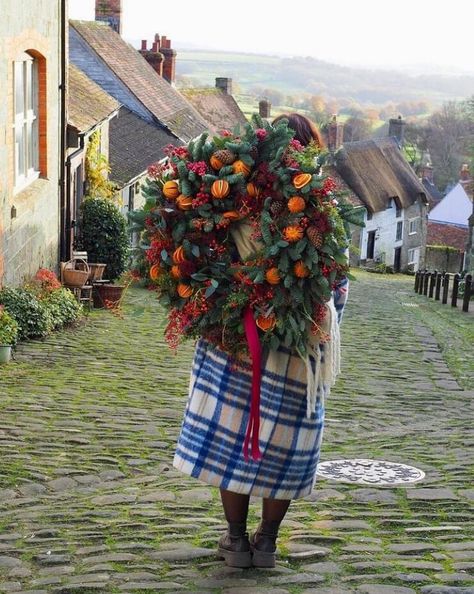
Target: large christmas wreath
[(245, 222)]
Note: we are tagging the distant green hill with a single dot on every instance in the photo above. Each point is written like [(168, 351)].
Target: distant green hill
[(293, 76)]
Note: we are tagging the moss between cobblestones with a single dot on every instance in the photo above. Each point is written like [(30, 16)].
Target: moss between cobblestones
[(102, 396)]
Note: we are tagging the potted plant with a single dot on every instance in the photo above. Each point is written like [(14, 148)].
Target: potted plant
[(8, 334)]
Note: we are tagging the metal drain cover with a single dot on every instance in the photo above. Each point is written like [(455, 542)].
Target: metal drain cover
[(369, 472)]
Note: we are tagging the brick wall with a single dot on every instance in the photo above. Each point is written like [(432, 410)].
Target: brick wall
[(31, 238)]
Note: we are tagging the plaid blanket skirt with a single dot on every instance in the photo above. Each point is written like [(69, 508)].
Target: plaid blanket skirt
[(210, 445), (212, 435)]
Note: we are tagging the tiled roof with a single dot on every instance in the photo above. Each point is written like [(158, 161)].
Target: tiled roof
[(136, 79), (88, 104), (446, 234), (134, 144), (377, 172), (219, 109)]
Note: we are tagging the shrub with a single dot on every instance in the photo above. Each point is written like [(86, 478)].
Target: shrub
[(8, 328), (103, 234), (63, 307), (31, 314)]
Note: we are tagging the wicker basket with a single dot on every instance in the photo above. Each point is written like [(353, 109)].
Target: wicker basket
[(73, 276)]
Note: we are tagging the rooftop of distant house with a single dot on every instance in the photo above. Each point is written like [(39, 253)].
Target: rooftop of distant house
[(216, 105), (119, 69)]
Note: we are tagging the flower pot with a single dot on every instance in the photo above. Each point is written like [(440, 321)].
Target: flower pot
[(5, 353), (107, 295)]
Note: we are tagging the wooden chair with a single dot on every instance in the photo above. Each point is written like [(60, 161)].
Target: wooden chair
[(75, 276)]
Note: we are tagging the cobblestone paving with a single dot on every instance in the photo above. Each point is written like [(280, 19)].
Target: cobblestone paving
[(89, 501)]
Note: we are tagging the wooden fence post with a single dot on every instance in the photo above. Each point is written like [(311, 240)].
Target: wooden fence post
[(422, 280), (417, 280), (433, 276), (445, 288), (454, 296), (467, 292), (426, 282), (438, 286)]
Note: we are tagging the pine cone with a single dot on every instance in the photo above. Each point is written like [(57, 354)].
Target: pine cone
[(254, 152), (225, 156), (315, 236), (277, 207)]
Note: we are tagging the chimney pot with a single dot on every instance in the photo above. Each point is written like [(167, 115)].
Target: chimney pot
[(144, 45), (154, 47), (264, 108), (157, 37)]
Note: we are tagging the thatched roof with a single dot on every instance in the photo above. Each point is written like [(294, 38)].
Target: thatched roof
[(377, 172)]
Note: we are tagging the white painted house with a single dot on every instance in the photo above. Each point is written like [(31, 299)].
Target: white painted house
[(394, 199)]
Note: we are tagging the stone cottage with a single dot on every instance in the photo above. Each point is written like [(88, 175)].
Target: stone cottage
[(32, 137)]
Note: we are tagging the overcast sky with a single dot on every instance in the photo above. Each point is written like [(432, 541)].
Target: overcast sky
[(356, 32)]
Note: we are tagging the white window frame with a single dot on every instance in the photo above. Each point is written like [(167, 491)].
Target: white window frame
[(412, 259), (413, 223), (26, 121)]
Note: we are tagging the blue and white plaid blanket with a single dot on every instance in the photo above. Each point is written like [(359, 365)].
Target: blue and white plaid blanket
[(211, 440)]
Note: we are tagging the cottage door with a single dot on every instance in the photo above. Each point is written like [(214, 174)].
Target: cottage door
[(370, 245), (397, 259), (77, 194)]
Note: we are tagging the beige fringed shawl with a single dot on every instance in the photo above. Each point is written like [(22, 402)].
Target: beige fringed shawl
[(323, 359)]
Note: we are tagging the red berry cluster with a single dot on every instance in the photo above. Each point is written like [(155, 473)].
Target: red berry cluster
[(198, 167)]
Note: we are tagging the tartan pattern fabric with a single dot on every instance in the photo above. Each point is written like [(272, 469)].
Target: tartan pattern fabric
[(211, 440)]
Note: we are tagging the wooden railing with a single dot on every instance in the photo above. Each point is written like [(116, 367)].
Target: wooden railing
[(436, 285)]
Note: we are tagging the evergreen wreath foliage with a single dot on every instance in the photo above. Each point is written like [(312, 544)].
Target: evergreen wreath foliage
[(258, 181)]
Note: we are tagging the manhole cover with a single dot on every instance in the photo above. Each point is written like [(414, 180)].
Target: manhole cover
[(369, 472)]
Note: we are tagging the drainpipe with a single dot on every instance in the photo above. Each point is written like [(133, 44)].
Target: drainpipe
[(64, 248)]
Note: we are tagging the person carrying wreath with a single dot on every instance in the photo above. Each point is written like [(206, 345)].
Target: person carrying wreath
[(291, 425)]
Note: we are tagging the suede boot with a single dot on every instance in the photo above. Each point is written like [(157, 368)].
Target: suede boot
[(234, 546), (263, 544)]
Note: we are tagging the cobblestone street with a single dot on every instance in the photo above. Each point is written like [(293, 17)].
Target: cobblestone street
[(89, 501)]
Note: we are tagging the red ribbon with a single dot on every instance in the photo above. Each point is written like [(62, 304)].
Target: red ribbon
[(253, 426)]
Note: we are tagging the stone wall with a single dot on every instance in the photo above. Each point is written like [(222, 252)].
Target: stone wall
[(443, 260), (29, 219)]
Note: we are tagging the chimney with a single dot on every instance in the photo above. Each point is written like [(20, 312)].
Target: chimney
[(335, 132), (110, 12), (426, 168), (153, 56), (224, 84), (264, 108), (169, 59), (396, 129), (464, 174)]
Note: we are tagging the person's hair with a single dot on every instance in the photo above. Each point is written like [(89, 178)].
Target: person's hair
[(306, 131)]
